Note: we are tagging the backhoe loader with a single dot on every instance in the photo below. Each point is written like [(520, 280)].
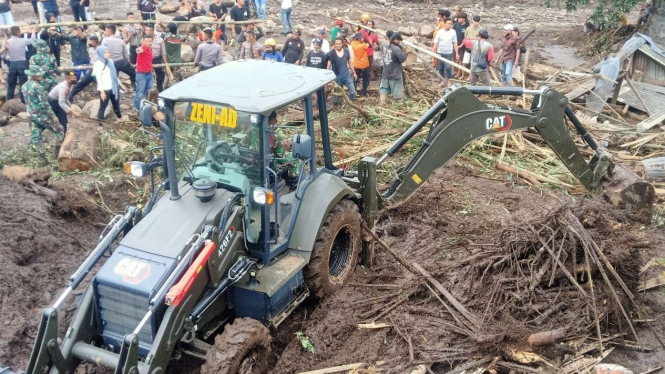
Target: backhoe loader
[(237, 234)]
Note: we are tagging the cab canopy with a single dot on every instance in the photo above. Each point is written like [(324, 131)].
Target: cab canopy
[(251, 86)]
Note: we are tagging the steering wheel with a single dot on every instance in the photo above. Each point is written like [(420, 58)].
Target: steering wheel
[(222, 152)]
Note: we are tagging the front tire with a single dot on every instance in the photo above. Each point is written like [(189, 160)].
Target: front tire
[(243, 348), (335, 252)]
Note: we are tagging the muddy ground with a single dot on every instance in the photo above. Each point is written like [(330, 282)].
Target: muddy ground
[(454, 216)]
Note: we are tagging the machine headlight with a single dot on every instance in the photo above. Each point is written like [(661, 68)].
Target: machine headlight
[(136, 168), (263, 196), (253, 118)]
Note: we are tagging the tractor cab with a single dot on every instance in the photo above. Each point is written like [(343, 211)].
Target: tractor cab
[(226, 134)]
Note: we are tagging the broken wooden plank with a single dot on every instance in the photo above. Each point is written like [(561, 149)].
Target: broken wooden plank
[(652, 370), (337, 369), (653, 283), (373, 326), (582, 89), (546, 337), (650, 122)]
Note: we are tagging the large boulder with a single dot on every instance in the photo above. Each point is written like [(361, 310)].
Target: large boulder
[(186, 53), (193, 42), (169, 7), (426, 31), (13, 107), (91, 108), (407, 30)]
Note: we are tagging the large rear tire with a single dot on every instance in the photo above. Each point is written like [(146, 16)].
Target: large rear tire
[(243, 348), (335, 252)]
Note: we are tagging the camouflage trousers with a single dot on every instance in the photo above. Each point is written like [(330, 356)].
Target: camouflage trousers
[(38, 125), (49, 82)]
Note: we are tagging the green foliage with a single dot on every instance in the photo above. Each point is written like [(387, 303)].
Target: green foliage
[(606, 14), (304, 340)]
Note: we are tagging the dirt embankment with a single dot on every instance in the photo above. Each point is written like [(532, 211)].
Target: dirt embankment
[(39, 250)]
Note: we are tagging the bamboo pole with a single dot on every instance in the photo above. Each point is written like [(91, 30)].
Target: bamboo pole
[(413, 46), (84, 67), (134, 21)]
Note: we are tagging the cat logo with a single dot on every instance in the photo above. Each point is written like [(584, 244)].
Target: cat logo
[(500, 123), (132, 271)]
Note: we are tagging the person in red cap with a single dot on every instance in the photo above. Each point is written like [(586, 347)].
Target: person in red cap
[(338, 26)]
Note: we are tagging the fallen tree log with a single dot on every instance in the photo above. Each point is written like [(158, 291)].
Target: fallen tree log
[(546, 337), (79, 149)]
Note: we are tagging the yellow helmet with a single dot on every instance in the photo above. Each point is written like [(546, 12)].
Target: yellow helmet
[(270, 42), (365, 17)]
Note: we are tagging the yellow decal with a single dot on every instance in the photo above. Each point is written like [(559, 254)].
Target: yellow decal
[(416, 178), (212, 115)]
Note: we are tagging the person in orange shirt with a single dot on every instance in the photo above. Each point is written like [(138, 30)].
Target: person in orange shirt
[(361, 61)]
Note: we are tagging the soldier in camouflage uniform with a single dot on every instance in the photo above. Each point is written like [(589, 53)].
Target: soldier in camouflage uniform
[(40, 112), (47, 64)]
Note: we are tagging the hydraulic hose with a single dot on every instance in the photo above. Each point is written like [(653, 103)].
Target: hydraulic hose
[(581, 130)]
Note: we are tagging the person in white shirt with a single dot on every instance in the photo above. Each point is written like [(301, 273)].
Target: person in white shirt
[(287, 25), (446, 45), (325, 45), (107, 84)]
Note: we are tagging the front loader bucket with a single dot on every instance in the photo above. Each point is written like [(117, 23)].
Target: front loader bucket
[(625, 189)]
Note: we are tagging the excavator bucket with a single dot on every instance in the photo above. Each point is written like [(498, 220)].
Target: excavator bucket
[(625, 189)]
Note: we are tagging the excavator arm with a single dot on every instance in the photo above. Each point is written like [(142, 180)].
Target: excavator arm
[(460, 117)]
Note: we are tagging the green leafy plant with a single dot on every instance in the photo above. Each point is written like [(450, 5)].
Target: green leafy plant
[(304, 340)]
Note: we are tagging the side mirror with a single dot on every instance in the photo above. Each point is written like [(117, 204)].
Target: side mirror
[(301, 146), (146, 114)]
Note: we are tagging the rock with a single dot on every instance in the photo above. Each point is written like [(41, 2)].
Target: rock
[(91, 108), (269, 24), (4, 118), (408, 30), (426, 31), (163, 18), (124, 107), (76, 108), (23, 115), (20, 173), (186, 53), (13, 107), (169, 8), (193, 42), (93, 28)]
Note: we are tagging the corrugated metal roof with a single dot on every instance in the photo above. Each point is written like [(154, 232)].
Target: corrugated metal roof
[(652, 55), (653, 96), (651, 67)]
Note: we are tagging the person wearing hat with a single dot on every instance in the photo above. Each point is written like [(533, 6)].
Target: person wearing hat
[(15, 47), (242, 37), (482, 54), (321, 35), (316, 57), (58, 98), (40, 112), (251, 49), (338, 27), (392, 80), (208, 54), (47, 63), (507, 55), (271, 53), (339, 61), (93, 44), (360, 61), (294, 48)]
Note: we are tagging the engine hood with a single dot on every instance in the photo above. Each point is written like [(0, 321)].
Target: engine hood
[(170, 224)]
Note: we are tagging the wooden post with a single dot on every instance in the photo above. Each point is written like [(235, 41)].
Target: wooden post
[(617, 89)]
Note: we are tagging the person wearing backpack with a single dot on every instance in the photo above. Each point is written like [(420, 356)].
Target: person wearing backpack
[(482, 53)]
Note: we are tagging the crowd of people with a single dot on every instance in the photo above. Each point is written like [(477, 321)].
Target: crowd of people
[(142, 51), (461, 43)]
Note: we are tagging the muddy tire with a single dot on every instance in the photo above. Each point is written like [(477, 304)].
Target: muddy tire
[(243, 348), (335, 252)]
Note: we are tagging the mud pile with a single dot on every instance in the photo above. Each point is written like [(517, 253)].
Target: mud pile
[(484, 241), (38, 252)]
